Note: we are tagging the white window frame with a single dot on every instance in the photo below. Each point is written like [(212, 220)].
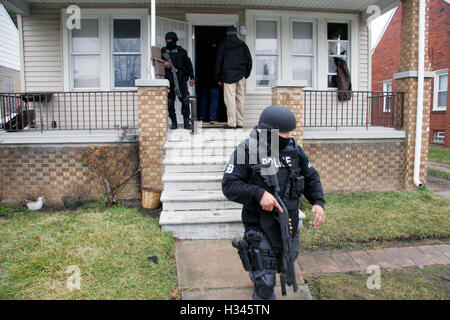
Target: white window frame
[(106, 30), (349, 49), (439, 73), (320, 69), (71, 55), (313, 55), (436, 133), (112, 53), (385, 84), (279, 43)]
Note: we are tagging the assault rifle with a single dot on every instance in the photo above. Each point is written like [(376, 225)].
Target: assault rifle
[(166, 56), (287, 257)]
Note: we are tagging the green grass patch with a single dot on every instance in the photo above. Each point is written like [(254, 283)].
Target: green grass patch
[(439, 174), (439, 155), (110, 247), (428, 283), (361, 219)]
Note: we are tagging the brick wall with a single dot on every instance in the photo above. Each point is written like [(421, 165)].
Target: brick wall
[(346, 166), (292, 98), (438, 51), (55, 172), (387, 56)]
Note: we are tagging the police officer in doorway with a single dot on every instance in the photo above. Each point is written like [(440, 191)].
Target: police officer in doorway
[(296, 176), (185, 71)]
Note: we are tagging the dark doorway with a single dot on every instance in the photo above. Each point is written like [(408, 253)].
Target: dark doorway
[(204, 68)]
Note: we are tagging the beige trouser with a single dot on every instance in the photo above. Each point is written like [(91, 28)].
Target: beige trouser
[(234, 94)]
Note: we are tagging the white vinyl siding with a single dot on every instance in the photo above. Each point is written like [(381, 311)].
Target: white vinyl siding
[(9, 42), (363, 59), (42, 54)]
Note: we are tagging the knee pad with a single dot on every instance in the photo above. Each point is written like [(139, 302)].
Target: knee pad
[(264, 285)]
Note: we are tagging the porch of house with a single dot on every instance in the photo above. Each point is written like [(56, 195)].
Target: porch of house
[(193, 205)]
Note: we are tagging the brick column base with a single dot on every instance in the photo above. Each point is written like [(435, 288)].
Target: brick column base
[(290, 95), (152, 136), (409, 87), (406, 81)]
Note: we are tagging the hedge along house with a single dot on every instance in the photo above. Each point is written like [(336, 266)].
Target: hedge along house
[(84, 85)]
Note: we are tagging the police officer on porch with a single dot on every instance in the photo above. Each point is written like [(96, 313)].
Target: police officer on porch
[(296, 176), (185, 71)]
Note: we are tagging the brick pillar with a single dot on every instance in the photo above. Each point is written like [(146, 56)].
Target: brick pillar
[(152, 136), (290, 95), (406, 81)]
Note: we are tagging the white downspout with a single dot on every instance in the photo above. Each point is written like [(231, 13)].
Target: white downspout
[(152, 42), (420, 84)]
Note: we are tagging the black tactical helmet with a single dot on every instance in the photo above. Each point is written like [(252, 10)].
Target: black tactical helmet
[(277, 117), (171, 35)]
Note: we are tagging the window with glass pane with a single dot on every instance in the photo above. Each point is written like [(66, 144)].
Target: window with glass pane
[(387, 89), (266, 50), (302, 51), (338, 47), (439, 137), (126, 51), (85, 55), (442, 91)]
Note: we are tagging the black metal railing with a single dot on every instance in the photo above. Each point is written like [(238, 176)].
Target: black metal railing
[(93, 110), (323, 108)]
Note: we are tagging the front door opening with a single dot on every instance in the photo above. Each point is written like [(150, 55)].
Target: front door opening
[(205, 62)]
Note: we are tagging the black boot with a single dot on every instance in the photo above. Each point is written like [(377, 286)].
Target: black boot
[(187, 123), (174, 124)]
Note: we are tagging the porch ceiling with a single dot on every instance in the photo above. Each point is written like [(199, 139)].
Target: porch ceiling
[(341, 5)]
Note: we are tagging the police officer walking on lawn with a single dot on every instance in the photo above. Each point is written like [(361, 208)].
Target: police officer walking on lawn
[(185, 71), (242, 184)]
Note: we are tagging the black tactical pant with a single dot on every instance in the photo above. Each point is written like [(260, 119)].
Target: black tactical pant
[(264, 276), (184, 101)]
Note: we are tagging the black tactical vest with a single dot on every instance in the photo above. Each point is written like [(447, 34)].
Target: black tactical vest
[(291, 184), (177, 55)]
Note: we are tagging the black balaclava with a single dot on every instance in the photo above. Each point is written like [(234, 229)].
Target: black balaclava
[(283, 142)]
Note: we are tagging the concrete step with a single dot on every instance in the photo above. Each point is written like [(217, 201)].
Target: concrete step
[(192, 181), (208, 134), (196, 160), (191, 168), (196, 200), (203, 224)]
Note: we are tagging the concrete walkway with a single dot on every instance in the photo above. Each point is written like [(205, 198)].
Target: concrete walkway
[(212, 270), (343, 261), (439, 186)]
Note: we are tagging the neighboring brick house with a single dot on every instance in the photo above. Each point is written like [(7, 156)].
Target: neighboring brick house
[(386, 58)]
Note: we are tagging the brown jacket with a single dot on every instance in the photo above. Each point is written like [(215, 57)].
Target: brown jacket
[(343, 80)]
